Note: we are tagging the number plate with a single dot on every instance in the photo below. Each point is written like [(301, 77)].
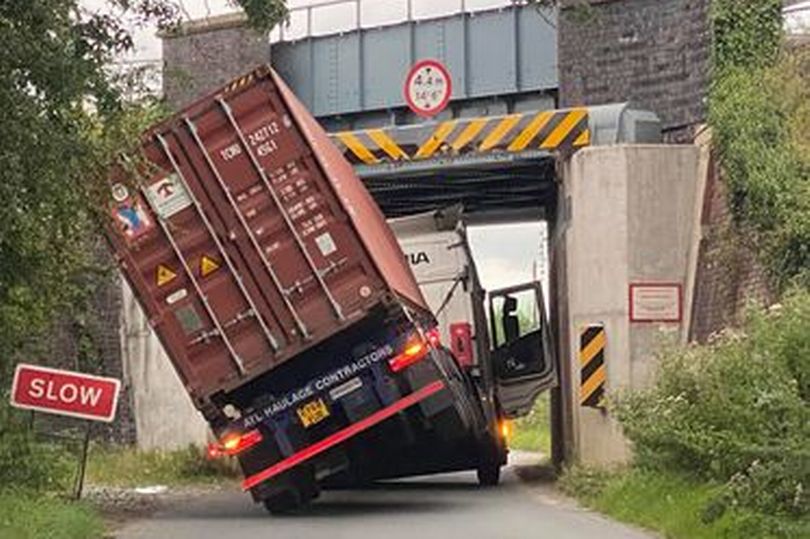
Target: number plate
[(313, 412)]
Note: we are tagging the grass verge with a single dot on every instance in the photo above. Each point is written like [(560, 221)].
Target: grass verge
[(25, 515), (675, 505), (533, 432), (127, 467)]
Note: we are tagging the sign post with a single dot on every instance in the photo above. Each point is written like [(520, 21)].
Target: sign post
[(67, 393), (428, 88)]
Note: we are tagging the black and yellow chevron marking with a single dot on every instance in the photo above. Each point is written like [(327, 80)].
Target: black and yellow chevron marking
[(592, 366), (551, 130), (239, 83)]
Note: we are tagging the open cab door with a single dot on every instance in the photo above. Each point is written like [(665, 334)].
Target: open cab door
[(522, 355)]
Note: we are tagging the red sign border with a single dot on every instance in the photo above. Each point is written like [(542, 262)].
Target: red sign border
[(428, 113), (105, 419), (677, 286)]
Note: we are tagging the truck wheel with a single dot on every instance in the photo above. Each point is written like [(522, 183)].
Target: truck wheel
[(489, 474), (489, 463), (286, 503)]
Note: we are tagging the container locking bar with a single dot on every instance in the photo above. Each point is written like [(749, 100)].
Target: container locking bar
[(189, 273), (235, 274), (290, 225), (225, 189)]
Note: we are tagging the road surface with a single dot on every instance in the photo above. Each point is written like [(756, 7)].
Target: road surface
[(441, 507)]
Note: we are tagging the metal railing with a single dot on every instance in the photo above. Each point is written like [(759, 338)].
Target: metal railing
[(303, 19)]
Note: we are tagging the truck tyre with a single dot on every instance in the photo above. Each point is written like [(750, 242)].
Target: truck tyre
[(285, 503), (489, 474), (489, 463)]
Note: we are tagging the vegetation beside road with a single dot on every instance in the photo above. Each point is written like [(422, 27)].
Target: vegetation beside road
[(722, 440), (127, 467), (677, 505), (759, 111), (67, 116), (533, 432), (29, 515)]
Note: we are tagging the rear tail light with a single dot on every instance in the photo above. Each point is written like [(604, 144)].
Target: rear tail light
[(234, 443), (415, 350), (434, 337)]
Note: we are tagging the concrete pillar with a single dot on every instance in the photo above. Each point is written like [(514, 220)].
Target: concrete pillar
[(164, 415), (627, 219)]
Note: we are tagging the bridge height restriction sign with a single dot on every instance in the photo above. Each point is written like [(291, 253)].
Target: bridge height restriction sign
[(428, 88)]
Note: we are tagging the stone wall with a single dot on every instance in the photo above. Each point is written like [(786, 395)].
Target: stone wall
[(207, 53), (729, 274), (653, 53)]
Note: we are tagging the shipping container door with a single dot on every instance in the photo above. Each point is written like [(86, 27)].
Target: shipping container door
[(195, 299), (279, 217)]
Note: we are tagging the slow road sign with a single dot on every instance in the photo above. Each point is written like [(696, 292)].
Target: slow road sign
[(65, 393)]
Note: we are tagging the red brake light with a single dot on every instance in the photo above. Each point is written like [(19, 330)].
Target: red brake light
[(234, 443), (415, 350), (434, 337)]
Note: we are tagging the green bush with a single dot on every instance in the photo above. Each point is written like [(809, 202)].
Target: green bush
[(759, 110), (533, 432), (735, 411), (27, 463)]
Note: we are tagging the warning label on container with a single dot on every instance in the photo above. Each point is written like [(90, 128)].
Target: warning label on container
[(326, 244), (132, 219), (208, 266), (168, 196), (164, 275)]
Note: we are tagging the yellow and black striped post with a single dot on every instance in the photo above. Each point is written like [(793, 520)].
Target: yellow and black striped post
[(593, 374)]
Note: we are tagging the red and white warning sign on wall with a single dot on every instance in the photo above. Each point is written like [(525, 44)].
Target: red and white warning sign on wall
[(65, 393)]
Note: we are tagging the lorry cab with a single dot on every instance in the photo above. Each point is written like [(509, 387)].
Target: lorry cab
[(501, 339)]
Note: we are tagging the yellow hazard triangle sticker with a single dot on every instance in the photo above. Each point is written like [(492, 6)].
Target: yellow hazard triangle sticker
[(208, 266), (164, 275)]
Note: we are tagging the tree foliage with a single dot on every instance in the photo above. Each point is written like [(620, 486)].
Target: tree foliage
[(760, 116), (65, 116)]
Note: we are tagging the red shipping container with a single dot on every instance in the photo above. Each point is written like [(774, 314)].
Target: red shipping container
[(250, 238)]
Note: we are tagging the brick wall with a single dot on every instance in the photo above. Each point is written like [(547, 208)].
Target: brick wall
[(653, 53), (729, 274), (100, 329), (207, 53)]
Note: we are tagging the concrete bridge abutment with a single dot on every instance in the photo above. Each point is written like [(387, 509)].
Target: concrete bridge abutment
[(622, 253)]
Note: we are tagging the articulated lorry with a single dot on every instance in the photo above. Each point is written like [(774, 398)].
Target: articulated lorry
[(289, 311)]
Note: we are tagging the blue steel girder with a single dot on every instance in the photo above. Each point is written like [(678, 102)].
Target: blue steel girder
[(505, 51)]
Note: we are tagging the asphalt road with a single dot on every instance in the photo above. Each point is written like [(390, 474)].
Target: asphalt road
[(442, 507)]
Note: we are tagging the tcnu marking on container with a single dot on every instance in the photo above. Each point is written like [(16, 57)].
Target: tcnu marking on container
[(168, 196), (326, 244), (176, 296), (344, 389)]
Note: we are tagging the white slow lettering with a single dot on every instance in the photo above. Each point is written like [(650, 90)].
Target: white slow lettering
[(68, 393), (37, 390), (90, 395)]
